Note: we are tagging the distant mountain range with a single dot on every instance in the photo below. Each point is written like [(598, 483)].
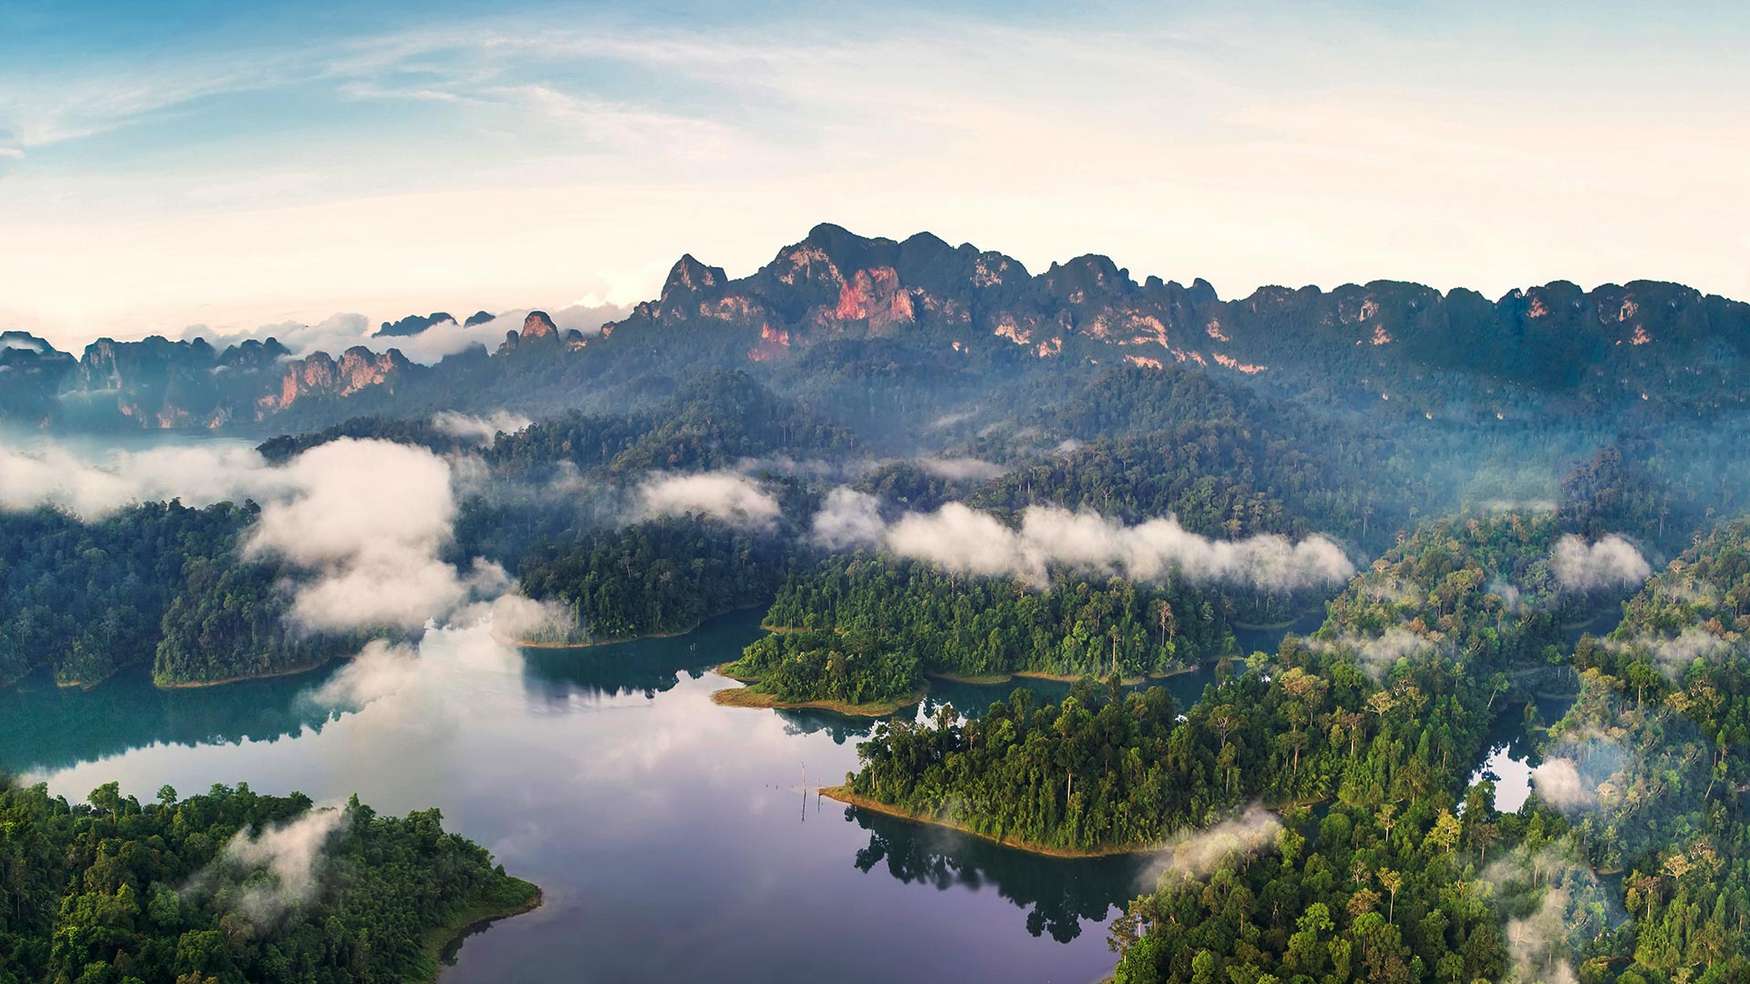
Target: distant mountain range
[(839, 315)]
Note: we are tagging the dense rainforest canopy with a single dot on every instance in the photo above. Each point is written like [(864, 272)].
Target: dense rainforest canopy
[(1473, 463), (231, 886), (159, 584)]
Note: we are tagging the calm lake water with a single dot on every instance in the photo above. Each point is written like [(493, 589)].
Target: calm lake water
[(674, 838), (1513, 749)]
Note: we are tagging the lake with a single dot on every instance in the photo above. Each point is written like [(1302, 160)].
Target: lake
[(1512, 745), (672, 837)]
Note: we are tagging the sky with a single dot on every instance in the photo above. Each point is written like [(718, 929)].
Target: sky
[(234, 165)]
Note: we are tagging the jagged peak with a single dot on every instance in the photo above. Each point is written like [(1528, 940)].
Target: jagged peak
[(846, 249), (388, 357), (1086, 273), (538, 325), (691, 276), (478, 318), (824, 233), (413, 324), (269, 348)]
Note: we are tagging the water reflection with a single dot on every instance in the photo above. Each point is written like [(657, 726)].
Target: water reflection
[(1512, 748), (1268, 638), (646, 667), (971, 700), (974, 699), (44, 727), (839, 727), (610, 778), (1058, 895)]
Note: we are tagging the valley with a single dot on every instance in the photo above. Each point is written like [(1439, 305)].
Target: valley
[(1158, 666)]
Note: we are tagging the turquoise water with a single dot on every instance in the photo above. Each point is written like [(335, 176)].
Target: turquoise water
[(674, 838)]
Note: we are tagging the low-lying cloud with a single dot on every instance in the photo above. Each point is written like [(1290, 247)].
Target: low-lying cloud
[(1674, 655), (1572, 908), (363, 522), (369, 519), (37, 474), (1558, 783), (339, 332), (1538, 944), (848, 518), (480, 430), (964, 540), (1376, 655), (1194, 854), (728, 496), (264, 875), (485, 633), (961, 469), (1610, 564)]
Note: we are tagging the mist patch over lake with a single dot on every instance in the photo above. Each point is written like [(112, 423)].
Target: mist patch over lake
[(648, 815)]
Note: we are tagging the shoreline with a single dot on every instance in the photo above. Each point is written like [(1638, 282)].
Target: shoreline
[(227, 681), (1263, 626), (593, 643), (998, 679), (442, 940), (751, 698), (843, 794), (79, 684)]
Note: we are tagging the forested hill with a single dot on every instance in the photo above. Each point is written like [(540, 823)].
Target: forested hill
[(234, 886), (902, 329)]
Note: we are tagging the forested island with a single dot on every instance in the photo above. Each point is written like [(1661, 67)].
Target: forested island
[(922, 463), (851, 673), (1358, 740), (230, 885)]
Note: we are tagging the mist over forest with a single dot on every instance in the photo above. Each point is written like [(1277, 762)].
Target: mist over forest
[(925, 463)]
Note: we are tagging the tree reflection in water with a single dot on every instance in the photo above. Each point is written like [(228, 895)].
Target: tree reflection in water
[(1060, 895)]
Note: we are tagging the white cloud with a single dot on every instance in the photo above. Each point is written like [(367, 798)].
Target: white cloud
[(848, 518), (339, 332), (958, 538), (91, 486), (1674, 655), (1571, 905), (1538, 942), (1558, 782), (364, 522), (368, 519), (1611, 563), (724, 495), (483, 633), (1194, 854), (1378, 654), (481, 430), (963, 540), (961, 469), (380, 669), (290, 855)]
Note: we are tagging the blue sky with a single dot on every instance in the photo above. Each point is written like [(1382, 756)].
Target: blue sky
[(240, 164)]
